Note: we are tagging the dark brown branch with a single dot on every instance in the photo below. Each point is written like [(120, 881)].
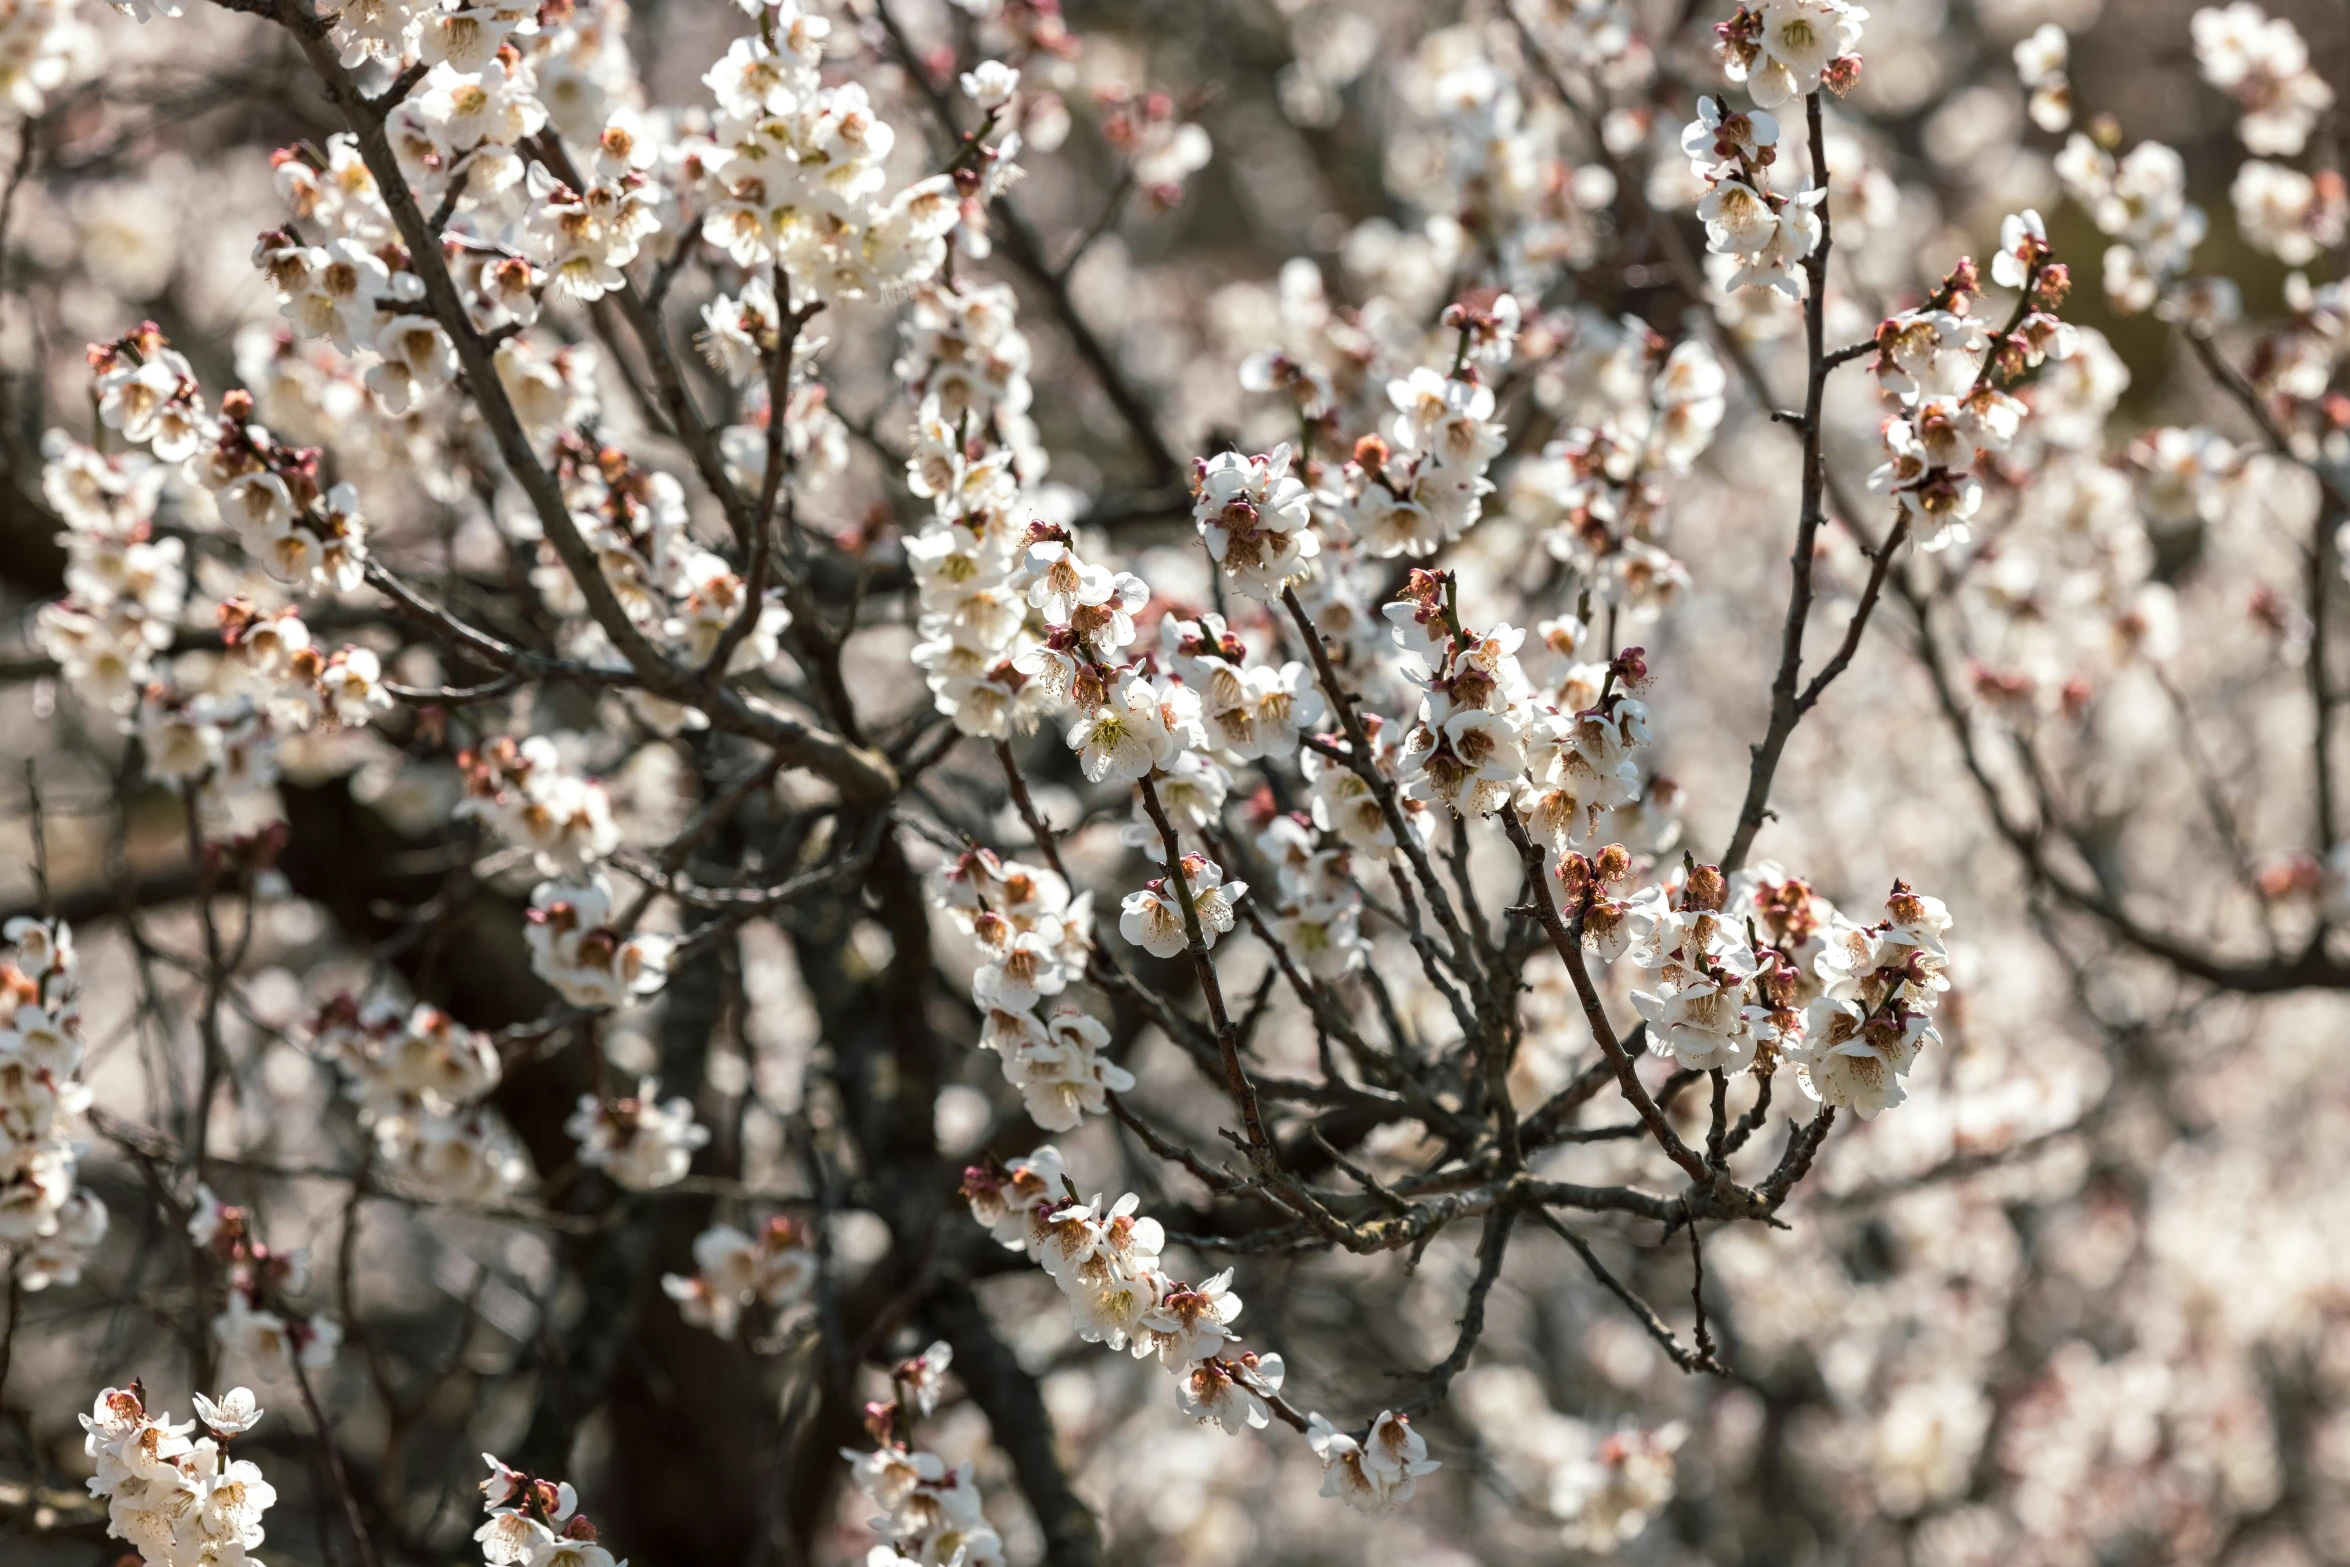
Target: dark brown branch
[(1569, 945), (1645, 1314), (1358, 757), (1038, 828), (1027, 252), (1244, 1094), (1167, 1148), (1786, 710), (336, 1474), (1705, 1341), (1880, 564), (1492, 1247), (2322, 565), (2312, 969), (857, 771)]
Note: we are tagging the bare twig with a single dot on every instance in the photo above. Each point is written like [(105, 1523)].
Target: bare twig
[(333, 1454), (1243, 1092), (1786, 697)]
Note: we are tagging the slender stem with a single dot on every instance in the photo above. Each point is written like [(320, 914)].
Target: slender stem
[(1171, 1151), (8, 1337), (1879, 568), (1111, 210), (334, 1464), (215, 1062), (1038, 827), (1786, 710), (2324, 564), (1020, 242), (1244, 1093), (1705, 1341), (1803, 1144), (1492, 1248), (774, 484), (2247, 397), (1358, 757), (39, 827), (1756, 1113), (855, 769), (1570, 950), (1680, 1355), (2312, 969), (1718, 1122)]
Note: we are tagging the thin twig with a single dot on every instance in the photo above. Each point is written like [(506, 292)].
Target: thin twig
[(1243, 1092), (333, 1454)]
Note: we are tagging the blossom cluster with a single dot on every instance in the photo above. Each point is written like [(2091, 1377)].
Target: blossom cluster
[(1950, 374), (48, 1223), (422, 1081), (213, 726), (2262, 62), (2140, 202), (1507, 177), (259, 1323), (1034, 939), (586, 949), (1409, 493), (579, 945), (776, 1268), (1767, 234), (1867, 992), (535, 1523), (1107, 1259), (793, 171), (1486, 737), (125, 587), (1787, 49), (1317, 917), (525, 794), (178, 1501), (1603, 1487), (1640, 412), (977, 461), (930, 1511), (640, 1140), (2040, 62)]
